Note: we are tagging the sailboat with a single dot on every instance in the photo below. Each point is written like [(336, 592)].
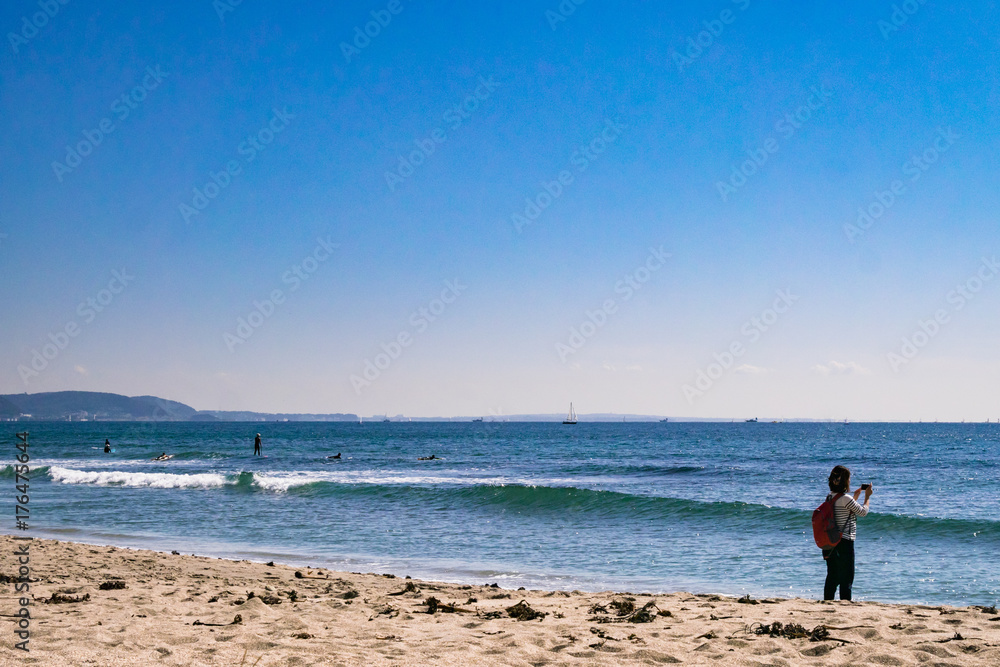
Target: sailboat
[(571, 417)]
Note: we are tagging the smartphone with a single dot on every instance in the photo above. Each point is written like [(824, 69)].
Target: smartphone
[(865, 487)]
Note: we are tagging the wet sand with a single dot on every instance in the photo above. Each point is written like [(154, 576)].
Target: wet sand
[(165, 609)]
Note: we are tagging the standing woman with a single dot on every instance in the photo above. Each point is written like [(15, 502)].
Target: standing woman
[(846, 509)]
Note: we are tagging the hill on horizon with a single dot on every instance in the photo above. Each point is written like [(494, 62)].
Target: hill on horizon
[(63, 404)]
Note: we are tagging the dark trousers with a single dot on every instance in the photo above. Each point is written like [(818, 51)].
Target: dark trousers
[(840, 571)]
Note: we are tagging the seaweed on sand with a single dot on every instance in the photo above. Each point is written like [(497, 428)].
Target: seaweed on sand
[(523, 612)]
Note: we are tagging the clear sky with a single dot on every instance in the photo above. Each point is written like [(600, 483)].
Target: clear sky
[(675, 183)]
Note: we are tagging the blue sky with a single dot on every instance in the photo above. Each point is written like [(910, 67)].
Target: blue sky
[(201, 88)]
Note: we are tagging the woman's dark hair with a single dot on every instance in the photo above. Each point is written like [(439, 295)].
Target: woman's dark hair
[(840, 479)]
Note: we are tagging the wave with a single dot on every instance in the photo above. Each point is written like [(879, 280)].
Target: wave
[(152, 480), (555, 497), (569, 502), (7, 472), (282, 482)]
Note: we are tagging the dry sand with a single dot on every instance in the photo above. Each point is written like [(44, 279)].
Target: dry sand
[(179, 610)]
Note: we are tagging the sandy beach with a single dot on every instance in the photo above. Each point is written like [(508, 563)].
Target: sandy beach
[(96, 605)]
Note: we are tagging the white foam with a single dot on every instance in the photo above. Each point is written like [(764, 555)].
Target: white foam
[(280, 482), (158, 480)]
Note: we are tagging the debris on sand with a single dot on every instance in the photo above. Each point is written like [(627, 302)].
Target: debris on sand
[(489, 615), (386, 610), (62, 598), (237, 620), (409, 588), (350, 595), (627, 613), (114, 585), (794, 631), (434, 605), (302, 635), (603, 636), (623, 606), (646, 614), (270, 599), (522, 612), (746, 599)]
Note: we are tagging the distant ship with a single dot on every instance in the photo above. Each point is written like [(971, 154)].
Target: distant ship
[(571, 417), (752, 421), (665, 419), (478, 419)]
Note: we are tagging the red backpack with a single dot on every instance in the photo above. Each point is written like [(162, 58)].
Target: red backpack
[(825, 530)]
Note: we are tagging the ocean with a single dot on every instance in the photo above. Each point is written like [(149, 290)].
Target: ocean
[(640, 507)]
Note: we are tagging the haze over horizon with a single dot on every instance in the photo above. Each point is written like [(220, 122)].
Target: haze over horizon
[(724, 210)]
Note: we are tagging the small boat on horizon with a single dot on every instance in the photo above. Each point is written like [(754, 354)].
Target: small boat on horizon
[(571, 417), (478, 419), (751, 421)]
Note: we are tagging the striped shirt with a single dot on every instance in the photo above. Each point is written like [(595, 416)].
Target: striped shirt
[(845, 513)]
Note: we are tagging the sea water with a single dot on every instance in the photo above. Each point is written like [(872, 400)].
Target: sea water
[(641, 507)]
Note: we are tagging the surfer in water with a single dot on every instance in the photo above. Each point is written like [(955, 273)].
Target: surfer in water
[(107, 446), (162, 457), (256, 445), (427, 458), (334, 457)]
